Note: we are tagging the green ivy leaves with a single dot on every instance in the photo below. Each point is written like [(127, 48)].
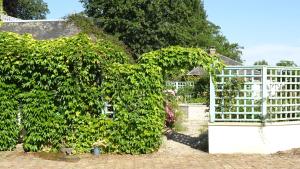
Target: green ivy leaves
[(60, 87), (59, 83), (9, 128)]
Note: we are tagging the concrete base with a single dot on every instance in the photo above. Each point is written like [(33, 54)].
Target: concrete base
[(228, 138)]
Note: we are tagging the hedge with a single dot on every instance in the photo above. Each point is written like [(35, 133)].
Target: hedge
[(9, 129), (61, 85)]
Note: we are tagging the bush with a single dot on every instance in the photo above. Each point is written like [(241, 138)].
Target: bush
[(42, 121), (62, 85), (9, 127), (136, 93)]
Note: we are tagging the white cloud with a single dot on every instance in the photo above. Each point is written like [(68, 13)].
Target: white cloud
[(272, 53)]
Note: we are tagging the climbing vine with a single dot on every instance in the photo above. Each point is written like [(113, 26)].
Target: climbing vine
[(178, 58), (230, 91), (61, 86), (8, 117)]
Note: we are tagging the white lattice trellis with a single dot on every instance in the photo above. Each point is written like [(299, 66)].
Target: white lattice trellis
[(266, 94)]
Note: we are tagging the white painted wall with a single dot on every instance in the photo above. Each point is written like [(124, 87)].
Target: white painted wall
[(228, 138)]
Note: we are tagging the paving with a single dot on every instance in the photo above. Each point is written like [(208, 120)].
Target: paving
[(172, 155), (185, 150)]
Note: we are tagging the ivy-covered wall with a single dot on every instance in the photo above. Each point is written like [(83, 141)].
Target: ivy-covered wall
[(63, 84), (136, 93), (60, 87), (60, 84), (9, 128)]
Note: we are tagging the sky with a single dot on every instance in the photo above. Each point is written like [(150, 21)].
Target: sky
[(267, 29), (61, 8)]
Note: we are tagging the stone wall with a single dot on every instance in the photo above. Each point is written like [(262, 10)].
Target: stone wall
[(42, 29), (196, 118)]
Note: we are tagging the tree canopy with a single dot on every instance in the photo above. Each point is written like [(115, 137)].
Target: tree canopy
[(1, 6), (26, 9), (286, 63), (261, 62), (146, 25)]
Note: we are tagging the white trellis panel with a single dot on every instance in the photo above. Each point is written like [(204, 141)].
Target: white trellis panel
[(267, 94)]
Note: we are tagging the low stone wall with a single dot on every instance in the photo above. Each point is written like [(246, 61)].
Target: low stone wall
[(41, 29), (196, 118), (249, 138), (197, 112)]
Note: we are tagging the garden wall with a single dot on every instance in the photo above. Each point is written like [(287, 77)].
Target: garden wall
[(42, 29), (249, 138), (255, 109)]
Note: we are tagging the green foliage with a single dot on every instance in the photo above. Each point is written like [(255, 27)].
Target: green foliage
[(1, 7), (201, 87), (60, 83), (61, 86), (87, 26), (145, 25), (42, 121), (172, 58), (136, 93), (230, 91), (261, 62), (185, 93), (9, 127), (286, 63), (26, 9), (191, 94)]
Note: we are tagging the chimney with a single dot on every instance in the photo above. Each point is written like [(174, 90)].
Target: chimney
[(212, 50)]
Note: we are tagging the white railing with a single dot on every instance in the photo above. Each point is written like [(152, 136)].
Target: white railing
[(179, 84), (266, 94)]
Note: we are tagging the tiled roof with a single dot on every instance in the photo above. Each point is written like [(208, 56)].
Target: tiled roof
[(229, 62), (197, 71)]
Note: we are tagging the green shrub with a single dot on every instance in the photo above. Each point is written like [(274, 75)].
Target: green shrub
[(42, 121), (9, 127), (136, 93), (63, 84), (60, 85)]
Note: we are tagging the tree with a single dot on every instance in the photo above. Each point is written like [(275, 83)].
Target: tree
[(261, 62), (146, 25), (1, 6), (287, 63), (26, 9)]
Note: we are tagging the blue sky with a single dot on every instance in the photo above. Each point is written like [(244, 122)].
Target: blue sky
[(61, 8), (267, 29)]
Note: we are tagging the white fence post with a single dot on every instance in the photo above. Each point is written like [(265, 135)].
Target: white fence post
[(264, 93), (176, 86), (212, 100)]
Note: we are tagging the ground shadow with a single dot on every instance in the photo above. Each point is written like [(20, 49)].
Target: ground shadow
[(200, 143)]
